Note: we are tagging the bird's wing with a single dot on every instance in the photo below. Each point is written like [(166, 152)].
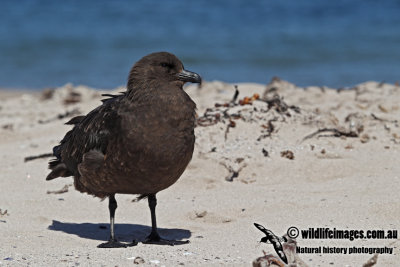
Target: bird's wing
[(260, 227), (279, 250), (90, 133)]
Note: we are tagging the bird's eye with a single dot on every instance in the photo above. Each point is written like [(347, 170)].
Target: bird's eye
[(166, 65)]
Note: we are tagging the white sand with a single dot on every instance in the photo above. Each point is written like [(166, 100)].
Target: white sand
[(335, 182)]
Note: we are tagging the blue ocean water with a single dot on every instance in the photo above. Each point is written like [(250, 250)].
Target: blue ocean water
[(45, 43)]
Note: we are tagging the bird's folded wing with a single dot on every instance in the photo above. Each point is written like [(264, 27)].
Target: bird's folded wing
[(91, 132)]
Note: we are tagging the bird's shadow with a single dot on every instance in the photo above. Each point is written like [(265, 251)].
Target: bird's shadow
[(123, 232)]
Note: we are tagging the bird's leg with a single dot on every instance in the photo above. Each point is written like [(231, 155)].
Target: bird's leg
[(112, 242), (154, 237)]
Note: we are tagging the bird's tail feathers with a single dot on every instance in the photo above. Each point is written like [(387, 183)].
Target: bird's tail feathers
[(58, 169)]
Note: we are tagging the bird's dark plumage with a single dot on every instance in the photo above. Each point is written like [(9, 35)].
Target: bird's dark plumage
[(138, 142)]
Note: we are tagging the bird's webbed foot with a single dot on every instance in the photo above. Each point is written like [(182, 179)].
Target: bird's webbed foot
[(113, 243), (155, 239)]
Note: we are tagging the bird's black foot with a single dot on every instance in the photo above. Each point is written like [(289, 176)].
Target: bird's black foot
[(112, 243), (155, 239)]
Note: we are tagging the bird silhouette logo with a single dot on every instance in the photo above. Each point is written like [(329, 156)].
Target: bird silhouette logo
[(271, 238)]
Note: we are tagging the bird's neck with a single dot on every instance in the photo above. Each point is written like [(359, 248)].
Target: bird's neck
[(150, 89)]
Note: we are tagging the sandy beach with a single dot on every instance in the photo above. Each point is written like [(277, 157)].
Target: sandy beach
[(284, 156)]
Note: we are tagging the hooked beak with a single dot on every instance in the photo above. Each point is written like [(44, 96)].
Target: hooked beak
[(188, 76)]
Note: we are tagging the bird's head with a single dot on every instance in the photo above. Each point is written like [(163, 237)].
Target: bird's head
[(160, 67)]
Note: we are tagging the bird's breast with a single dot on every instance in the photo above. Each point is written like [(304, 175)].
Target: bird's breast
[(157, 138)]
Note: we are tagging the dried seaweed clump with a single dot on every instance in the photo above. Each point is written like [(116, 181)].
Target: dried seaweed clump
[(221, 112)]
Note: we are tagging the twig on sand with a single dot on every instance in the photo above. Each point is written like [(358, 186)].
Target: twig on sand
[(46, 155), (235, 96), (269, 127), (372, 261), (336, 133), (3, 213), (232, 173), (231, 124), (61, 191), (380, 119)]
